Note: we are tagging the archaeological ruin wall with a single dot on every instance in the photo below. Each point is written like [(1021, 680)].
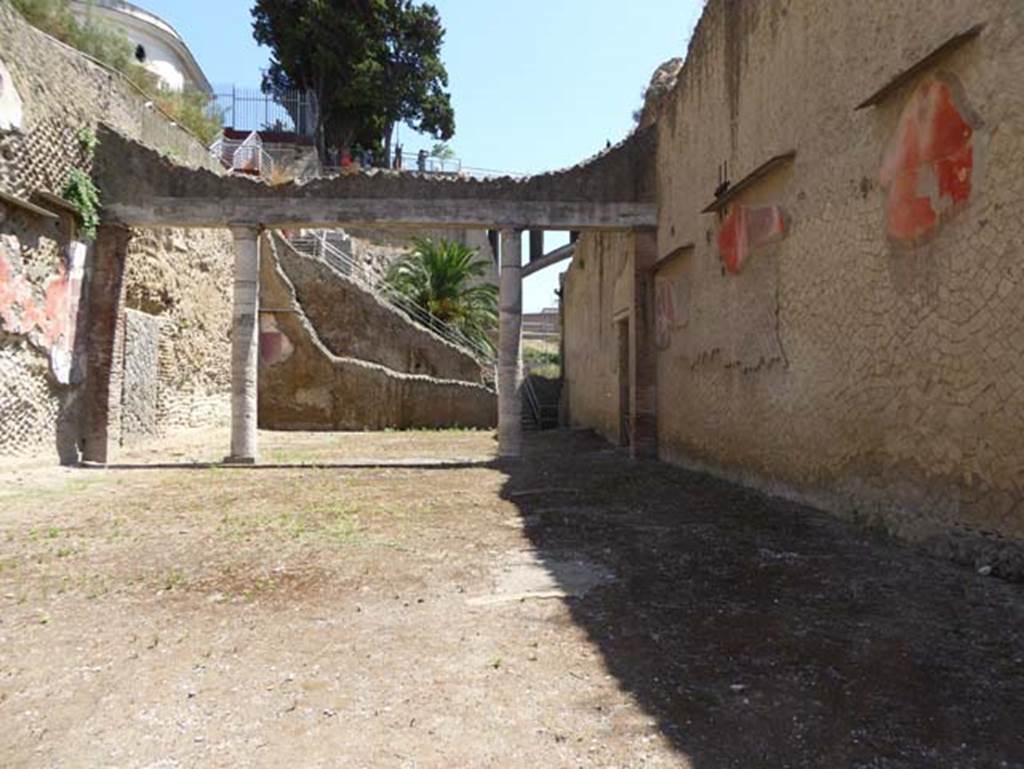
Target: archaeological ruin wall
[(176, 285), (837, 306)]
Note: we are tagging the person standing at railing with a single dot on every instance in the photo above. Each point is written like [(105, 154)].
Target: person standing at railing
[(397, 165), (421, 161)]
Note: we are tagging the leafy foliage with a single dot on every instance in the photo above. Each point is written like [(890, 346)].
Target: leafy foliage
[(80, 191), (192, 110), (368, 64), (111, 47), (444, 278), (88, 141), (442, 151)]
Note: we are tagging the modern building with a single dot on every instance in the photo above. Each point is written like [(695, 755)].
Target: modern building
[(158, 46)]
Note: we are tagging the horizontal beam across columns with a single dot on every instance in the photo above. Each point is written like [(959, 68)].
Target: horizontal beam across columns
[(317, 212)]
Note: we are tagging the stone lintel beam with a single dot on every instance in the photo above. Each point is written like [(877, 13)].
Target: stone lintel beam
[(327, 213)]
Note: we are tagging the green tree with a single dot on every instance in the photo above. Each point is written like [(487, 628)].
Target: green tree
[(446, 279), (442, 151), (368, 65)]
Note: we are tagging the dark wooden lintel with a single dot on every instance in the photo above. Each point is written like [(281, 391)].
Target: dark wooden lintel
[(749, 180), (14, 200), (55, 203), (897, 82)]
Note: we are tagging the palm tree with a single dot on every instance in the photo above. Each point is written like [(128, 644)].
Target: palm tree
[(444, 278)]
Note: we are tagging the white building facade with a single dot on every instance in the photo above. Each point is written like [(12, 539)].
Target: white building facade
[(158, 46)]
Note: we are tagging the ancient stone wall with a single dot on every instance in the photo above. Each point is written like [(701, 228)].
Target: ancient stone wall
[(62, 98), (304, 386), (846, 326), (596, 298), (353, 323), (184, 277)]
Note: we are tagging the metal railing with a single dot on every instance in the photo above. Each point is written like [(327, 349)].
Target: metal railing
[(236, 155), (249, 109), (432, 165), (531, 399), (318, 245)]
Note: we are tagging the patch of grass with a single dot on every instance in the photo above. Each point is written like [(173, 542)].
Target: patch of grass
[(330, 524), (174, 579)]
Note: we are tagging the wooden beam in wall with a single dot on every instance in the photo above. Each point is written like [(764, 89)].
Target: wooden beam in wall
[(749, 180), (16, 202), (559, 254), (954, 43)]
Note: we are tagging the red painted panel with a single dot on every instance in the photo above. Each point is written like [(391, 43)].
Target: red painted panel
[(50, 321), (746, 229), (928, 168)]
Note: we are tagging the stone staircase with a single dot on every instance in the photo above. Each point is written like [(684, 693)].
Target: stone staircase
[(541, 397)]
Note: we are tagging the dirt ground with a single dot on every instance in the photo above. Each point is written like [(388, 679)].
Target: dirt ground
[(569, 610)]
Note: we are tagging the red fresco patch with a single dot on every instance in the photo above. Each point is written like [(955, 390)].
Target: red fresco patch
[(929, 165), (49, 323), (275, 346), (746, 229), (270, 346)]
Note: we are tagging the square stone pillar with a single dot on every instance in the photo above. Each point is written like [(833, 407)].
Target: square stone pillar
[(510, 346), (643, 417), (105, 289), (245, 346)]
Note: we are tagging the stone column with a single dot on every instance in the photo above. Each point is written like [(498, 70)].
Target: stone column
[(245, 345), (105, 288), (643, 417), (510, 346)]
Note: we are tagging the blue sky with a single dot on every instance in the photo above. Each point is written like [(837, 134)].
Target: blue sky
[(536, 84)]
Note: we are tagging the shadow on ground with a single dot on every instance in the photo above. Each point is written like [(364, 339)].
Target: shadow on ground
[(368, 464), (762, 633)]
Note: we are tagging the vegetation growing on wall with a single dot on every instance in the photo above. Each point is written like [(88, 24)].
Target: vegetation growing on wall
[(189, 109), (81, 192), (79, 189)]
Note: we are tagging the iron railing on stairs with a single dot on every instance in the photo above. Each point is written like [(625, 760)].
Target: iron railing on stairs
[(318, 245)]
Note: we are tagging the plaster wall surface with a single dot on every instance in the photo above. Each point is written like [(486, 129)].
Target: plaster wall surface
[(842, 365), (174, 274), (596, 298)]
